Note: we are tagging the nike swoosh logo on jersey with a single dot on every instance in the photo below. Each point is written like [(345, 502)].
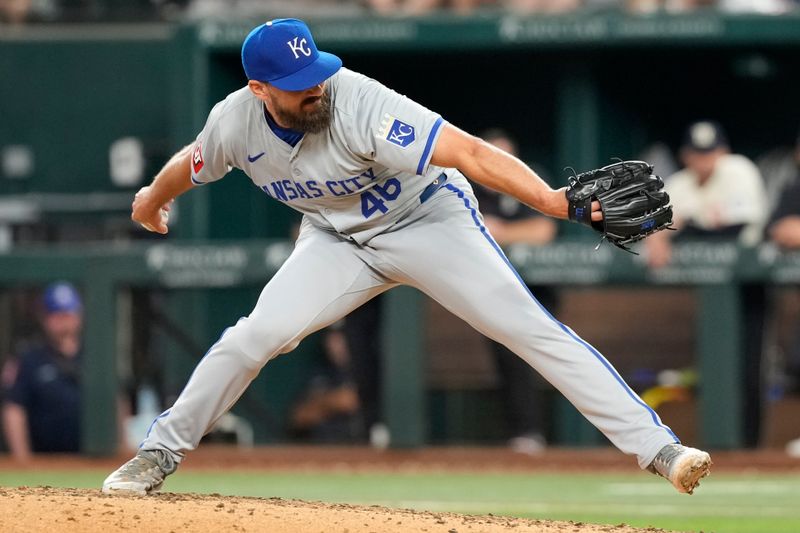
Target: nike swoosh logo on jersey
[(254, 158)]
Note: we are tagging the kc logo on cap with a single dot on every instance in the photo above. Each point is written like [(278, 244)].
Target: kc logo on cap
[(282, 53), (302, 47)]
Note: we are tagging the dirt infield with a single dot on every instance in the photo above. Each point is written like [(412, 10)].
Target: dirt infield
[(90, 511)]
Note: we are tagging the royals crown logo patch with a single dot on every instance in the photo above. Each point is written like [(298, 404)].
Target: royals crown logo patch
[(396, 131)]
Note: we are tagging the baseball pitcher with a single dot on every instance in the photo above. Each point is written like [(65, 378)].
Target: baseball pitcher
[(381, 183)]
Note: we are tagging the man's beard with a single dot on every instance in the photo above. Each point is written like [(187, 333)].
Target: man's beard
[(307, 122)]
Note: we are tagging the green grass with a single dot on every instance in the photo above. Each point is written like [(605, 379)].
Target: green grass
[(730, 503)]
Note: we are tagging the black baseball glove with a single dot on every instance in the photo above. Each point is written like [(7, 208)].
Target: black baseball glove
[(631, 198)]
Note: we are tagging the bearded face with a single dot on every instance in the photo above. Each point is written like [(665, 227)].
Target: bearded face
[(308, 111)]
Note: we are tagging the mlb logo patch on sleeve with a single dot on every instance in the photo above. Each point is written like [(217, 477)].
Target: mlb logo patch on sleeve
[(197, 158), (396, 131)]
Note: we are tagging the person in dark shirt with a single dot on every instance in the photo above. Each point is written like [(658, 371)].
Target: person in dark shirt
[(784, 230), (41, 412), (327, 411), (784, 225), (511, 222)]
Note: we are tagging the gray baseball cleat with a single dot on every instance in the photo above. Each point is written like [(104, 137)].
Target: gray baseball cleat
[(682, 466), (141, 475)]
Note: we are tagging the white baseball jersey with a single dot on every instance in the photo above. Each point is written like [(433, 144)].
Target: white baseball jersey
[(356, 178), (733, 195)]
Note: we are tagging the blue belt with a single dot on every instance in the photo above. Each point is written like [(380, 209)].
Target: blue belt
[(434, 186)]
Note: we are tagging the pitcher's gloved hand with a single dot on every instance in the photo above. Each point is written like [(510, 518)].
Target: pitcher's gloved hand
[(631, 197)]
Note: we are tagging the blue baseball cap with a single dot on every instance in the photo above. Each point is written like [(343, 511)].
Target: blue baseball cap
[(282, 53), (61, 297)]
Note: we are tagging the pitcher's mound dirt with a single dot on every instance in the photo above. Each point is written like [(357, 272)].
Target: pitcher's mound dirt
[(87, 511)]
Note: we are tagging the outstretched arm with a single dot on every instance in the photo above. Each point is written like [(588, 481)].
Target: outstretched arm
[(786, 232), (498, 170), (152, 203)]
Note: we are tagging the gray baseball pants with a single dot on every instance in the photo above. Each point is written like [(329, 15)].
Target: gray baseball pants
[(443, 249)]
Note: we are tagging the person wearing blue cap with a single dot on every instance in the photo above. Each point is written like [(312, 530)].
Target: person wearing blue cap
[(42, 403), (381, 182)]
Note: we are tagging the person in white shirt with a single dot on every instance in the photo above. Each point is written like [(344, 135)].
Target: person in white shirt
[(717, 194)]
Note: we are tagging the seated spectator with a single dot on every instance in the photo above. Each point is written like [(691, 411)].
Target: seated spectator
[(717, 194), (784, 230), (42, 401), (720, 195), (784, 225), (327, 411)]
